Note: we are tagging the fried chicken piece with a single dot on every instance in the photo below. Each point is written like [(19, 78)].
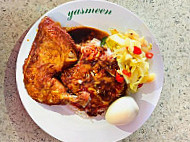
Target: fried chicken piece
[(52, 50), (94, 74)]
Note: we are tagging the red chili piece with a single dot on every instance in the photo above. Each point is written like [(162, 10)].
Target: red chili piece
[(140, 85), (149, 55), (125, 72), (119, 78), (137, 50)]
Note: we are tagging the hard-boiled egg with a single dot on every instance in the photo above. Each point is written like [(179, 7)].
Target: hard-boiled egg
[(122, 111)]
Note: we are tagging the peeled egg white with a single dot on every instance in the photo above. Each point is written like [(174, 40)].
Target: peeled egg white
[(122, 111)]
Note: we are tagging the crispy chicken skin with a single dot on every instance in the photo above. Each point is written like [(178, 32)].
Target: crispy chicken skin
[(94, 74), (52, 51)]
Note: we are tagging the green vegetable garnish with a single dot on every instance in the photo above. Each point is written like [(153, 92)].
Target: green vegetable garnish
[(103, 41)]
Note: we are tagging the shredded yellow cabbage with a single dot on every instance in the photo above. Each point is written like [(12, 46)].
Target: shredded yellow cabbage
[(122, 45)]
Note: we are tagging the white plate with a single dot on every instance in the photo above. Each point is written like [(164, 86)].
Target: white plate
[(59, 121)]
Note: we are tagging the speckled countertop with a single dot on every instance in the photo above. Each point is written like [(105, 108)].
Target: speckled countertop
[(169, 22)]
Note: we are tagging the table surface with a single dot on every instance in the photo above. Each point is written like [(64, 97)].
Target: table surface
[(168, 20)]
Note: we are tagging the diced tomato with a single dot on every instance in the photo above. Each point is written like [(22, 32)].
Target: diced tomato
[(125, 72), (140, 85), (137, 50), (119, 78), (149, 55)]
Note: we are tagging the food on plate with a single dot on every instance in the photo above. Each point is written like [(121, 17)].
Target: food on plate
[(53, 50), (122, 111), (54, 54), (81, 34), (88, 68), (94, 74), (132, 53)]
